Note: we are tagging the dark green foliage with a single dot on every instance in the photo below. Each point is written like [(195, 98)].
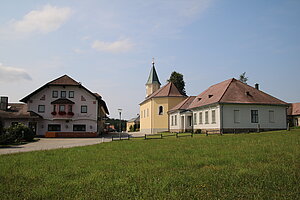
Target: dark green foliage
[(232, 166), (198, 131), (178, 81), (116, 123), (14, 134), (131, 128), (243, 78)]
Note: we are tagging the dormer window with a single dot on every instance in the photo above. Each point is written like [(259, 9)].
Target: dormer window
[(199, 99), (210, 95)]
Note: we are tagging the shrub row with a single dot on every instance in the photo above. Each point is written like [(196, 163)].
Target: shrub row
[(15, 134)]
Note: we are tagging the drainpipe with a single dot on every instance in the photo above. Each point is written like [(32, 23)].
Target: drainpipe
[(221, 118)]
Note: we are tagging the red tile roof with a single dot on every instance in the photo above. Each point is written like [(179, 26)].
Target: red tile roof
[(234, 91), (169, 90), (294, 109), (184, 104), (18, 111), (64, 80)]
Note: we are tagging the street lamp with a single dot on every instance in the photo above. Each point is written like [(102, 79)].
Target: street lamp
[(120, 128)]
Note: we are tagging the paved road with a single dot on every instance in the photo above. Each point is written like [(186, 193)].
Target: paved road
[(53, 143), (57, 143)]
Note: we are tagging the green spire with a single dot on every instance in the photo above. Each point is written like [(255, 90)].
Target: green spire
[(153, 78)]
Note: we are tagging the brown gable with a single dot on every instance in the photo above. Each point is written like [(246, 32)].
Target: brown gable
[(212, 95), (239, 92), (63, 80), (234, 91), (169, 90), (294, 109), (184, 104)]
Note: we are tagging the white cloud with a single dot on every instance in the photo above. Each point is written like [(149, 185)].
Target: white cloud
[(122, 45), (8, 74), (45, 20)]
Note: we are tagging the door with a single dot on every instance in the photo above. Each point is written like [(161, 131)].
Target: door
[(32, 126), (182, 124)]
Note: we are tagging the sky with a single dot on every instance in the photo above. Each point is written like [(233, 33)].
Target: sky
[(108, 46)]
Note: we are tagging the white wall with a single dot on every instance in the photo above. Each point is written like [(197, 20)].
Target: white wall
[(208, 125), (177, 126), (89, 118), (245, 116)]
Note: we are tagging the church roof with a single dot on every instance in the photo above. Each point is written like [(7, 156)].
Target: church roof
[(234, 91), (153, 78), (169, 90)]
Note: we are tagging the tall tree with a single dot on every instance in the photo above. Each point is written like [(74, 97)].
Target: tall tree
[(243, 78), (178, 81)]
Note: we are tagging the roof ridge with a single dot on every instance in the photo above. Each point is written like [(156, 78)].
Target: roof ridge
[(226, 89)]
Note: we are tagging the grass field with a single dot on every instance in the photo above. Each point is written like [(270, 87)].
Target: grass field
[(242, 166)]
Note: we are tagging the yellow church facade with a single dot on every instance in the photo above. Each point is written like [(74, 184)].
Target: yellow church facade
[(159, 100)]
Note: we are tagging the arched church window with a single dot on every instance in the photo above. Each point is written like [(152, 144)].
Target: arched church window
[(160, 110)]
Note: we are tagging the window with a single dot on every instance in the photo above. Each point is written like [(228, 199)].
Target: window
[(147, 112), (83, 109), (161, 110), (79, 127), (54, 108), (206, 117), (70, 108), (41, 108), (144, 113), (213, 116), (190, 120), (195, 118), (236, 116), (172, 120), (71, 94), (175, 120), (141, 114), (63, 94), (54, 94), (271, 116), (254, 116), (54, 127), (62, 108), (200, 118)]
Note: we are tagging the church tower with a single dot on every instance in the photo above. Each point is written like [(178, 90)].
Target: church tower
[(153, 83)]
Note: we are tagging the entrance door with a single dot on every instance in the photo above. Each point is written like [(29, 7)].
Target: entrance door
[(182, 123), (32, 126)]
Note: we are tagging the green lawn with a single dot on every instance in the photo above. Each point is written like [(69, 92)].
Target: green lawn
[(241, 166)]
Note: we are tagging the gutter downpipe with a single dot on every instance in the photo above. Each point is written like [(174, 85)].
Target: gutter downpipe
[(221, 120)]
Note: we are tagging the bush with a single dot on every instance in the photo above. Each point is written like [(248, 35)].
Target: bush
[(131, 128), (16, 133), (198, 131)]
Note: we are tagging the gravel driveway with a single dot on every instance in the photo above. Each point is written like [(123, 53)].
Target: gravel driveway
[(53, 143)]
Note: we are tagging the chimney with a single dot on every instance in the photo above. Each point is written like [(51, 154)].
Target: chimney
[(257, 86), (3, 103)]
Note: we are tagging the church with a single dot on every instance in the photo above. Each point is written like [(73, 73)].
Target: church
[(157, 103)]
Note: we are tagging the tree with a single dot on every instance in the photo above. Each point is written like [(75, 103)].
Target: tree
[(243, 78), (178, 81)]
